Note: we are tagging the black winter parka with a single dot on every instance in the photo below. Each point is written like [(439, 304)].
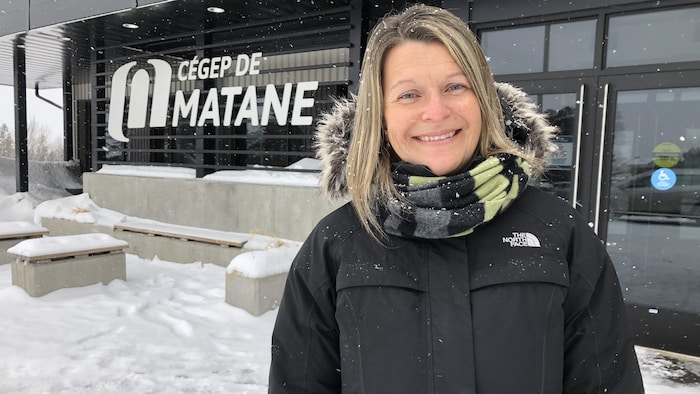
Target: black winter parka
[(528, 303)]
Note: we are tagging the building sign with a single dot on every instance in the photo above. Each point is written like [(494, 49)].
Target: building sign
[(202, 107)]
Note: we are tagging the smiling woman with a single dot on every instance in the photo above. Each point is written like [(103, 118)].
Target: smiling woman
[(446, 272)]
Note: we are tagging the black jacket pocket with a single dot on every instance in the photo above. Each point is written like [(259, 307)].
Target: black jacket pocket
[(534, 268), (390, 270)]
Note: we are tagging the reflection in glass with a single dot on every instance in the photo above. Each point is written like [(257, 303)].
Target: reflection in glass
[(571, 46), (514, 51), (654, 38), (555, 47), (562, 112), (654, 228)]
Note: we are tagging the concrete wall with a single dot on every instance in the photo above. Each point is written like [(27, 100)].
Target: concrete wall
[(288, 212)]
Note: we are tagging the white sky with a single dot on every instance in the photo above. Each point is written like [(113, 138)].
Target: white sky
[(43, 112)]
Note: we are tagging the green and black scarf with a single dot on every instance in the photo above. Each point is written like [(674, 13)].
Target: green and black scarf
[(441, 207)]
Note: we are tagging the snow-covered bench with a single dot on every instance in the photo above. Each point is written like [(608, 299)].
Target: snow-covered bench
[(11, 233), (43, 265), (255, 279), (184, 244)]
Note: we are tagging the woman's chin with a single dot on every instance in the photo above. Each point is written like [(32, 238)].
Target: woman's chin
[(447, 169)]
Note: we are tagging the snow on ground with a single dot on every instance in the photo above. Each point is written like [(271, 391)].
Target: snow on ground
[(167, 329)]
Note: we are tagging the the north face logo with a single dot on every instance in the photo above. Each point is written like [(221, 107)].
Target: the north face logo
[(527, 240)]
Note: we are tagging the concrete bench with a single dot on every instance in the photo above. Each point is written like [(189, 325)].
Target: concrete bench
[(181, 244), (255, 280), (43, 265), (11, 233)]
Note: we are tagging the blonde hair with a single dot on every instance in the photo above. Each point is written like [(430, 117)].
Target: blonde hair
[(369, 156)]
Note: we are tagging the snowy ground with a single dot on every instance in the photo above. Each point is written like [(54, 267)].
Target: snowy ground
[(166, 329)]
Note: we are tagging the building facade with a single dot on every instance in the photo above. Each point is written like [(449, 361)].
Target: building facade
[(224, 85)]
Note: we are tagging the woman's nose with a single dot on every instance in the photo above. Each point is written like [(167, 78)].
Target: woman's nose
[(436, 108)]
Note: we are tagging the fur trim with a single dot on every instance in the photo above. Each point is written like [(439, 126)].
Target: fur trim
[(524, 124), (332, 140)]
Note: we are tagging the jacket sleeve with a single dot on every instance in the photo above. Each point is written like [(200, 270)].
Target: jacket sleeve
[(305, 353), (599, 347)]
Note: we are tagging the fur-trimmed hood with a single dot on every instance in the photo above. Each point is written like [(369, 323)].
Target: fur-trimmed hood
[(523, 122)]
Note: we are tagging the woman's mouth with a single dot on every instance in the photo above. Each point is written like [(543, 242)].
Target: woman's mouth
[(430, 138)]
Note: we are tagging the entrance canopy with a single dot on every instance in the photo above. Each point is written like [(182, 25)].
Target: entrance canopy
[(65, 32), (78, 45)]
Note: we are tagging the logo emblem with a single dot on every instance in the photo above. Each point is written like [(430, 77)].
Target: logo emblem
[(138, 98), (663, 179), (522, 240)]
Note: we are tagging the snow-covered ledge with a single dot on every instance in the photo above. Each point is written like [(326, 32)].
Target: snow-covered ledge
[(282, 204)]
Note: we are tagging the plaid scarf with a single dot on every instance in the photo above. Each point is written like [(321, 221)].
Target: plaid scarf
[(442, 207)]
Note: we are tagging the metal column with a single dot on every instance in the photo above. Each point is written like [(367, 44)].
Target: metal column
[(21, 145), (359, 28)]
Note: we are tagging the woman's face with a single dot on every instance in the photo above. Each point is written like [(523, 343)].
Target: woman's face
[(431, 112)]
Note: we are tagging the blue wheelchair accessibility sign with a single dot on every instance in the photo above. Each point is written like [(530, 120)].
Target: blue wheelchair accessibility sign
[(663, 179)]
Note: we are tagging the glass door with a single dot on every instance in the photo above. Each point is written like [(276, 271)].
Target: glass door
[(617, 84), (648, 205), (629, 161), (567, 102)]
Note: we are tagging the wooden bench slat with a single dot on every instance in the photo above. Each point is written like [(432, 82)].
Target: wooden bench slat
[(24, 234), (76, 254), (155, 230)]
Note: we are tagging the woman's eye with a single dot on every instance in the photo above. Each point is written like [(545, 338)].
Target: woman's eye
[(407, 96), (456, 87)]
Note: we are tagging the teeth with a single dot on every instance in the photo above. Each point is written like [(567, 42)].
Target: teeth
[(439, 137)]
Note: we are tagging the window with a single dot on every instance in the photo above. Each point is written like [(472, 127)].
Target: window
[(654, 38), (515, 51), (551, 47)]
